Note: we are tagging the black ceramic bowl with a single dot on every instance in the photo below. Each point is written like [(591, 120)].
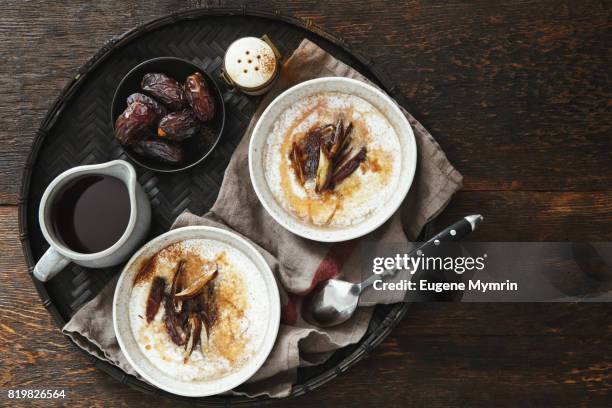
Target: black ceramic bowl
[(196, 148)]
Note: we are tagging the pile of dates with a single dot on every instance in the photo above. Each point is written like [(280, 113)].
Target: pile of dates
[(168, 113)]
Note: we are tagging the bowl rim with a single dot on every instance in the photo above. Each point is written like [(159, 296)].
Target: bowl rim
[(274, 316), (198, 68), (283, 217)]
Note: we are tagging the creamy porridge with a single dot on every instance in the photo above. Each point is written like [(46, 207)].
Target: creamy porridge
[(332, 159), (194, 310)]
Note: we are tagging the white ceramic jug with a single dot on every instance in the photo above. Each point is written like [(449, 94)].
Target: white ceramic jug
[(59, 255)]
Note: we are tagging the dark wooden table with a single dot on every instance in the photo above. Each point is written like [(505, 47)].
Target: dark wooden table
[(518, 95)]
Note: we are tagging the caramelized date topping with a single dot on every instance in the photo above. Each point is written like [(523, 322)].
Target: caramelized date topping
[(324, 172), (186, 311), (311, 147), (197, 287), (208, 306), (155, 297), (176, 282), (349, 167), (171, 322), (297, 160), (194, 331), (325, 155)]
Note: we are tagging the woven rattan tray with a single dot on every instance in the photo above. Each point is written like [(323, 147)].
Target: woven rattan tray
[(76, 131)]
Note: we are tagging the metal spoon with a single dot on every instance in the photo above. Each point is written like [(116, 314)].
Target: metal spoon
[(336, 301)]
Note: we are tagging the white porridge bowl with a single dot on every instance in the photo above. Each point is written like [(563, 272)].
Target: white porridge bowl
[(268, 296), (276, 119)]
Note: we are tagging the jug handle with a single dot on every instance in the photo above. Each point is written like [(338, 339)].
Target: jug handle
[(49, 265)]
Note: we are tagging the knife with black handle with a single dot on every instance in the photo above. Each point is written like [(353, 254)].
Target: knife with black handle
[(453, 233)]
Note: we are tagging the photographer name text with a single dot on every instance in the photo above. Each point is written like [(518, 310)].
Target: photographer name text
[(382, 266), (429, 286)]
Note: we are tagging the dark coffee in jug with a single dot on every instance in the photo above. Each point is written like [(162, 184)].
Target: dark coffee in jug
[(91, 213)]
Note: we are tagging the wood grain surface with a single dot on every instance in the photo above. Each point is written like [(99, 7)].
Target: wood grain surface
[(518, 95)]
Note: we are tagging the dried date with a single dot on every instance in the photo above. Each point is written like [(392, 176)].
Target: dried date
[(178, 126), (159, 109), (199, 97), (165, 89), (135, 123), (160, 150)]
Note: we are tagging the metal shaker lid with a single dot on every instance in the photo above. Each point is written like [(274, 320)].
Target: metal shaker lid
[(250, 62)]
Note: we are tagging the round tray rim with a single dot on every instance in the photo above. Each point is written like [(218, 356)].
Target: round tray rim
[(367, 345)]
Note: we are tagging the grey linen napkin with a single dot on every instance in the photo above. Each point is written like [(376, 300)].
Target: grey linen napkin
[(298, 264)]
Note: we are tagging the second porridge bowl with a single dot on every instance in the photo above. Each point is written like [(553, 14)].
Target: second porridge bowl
[(196, 311), (331, 159)]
